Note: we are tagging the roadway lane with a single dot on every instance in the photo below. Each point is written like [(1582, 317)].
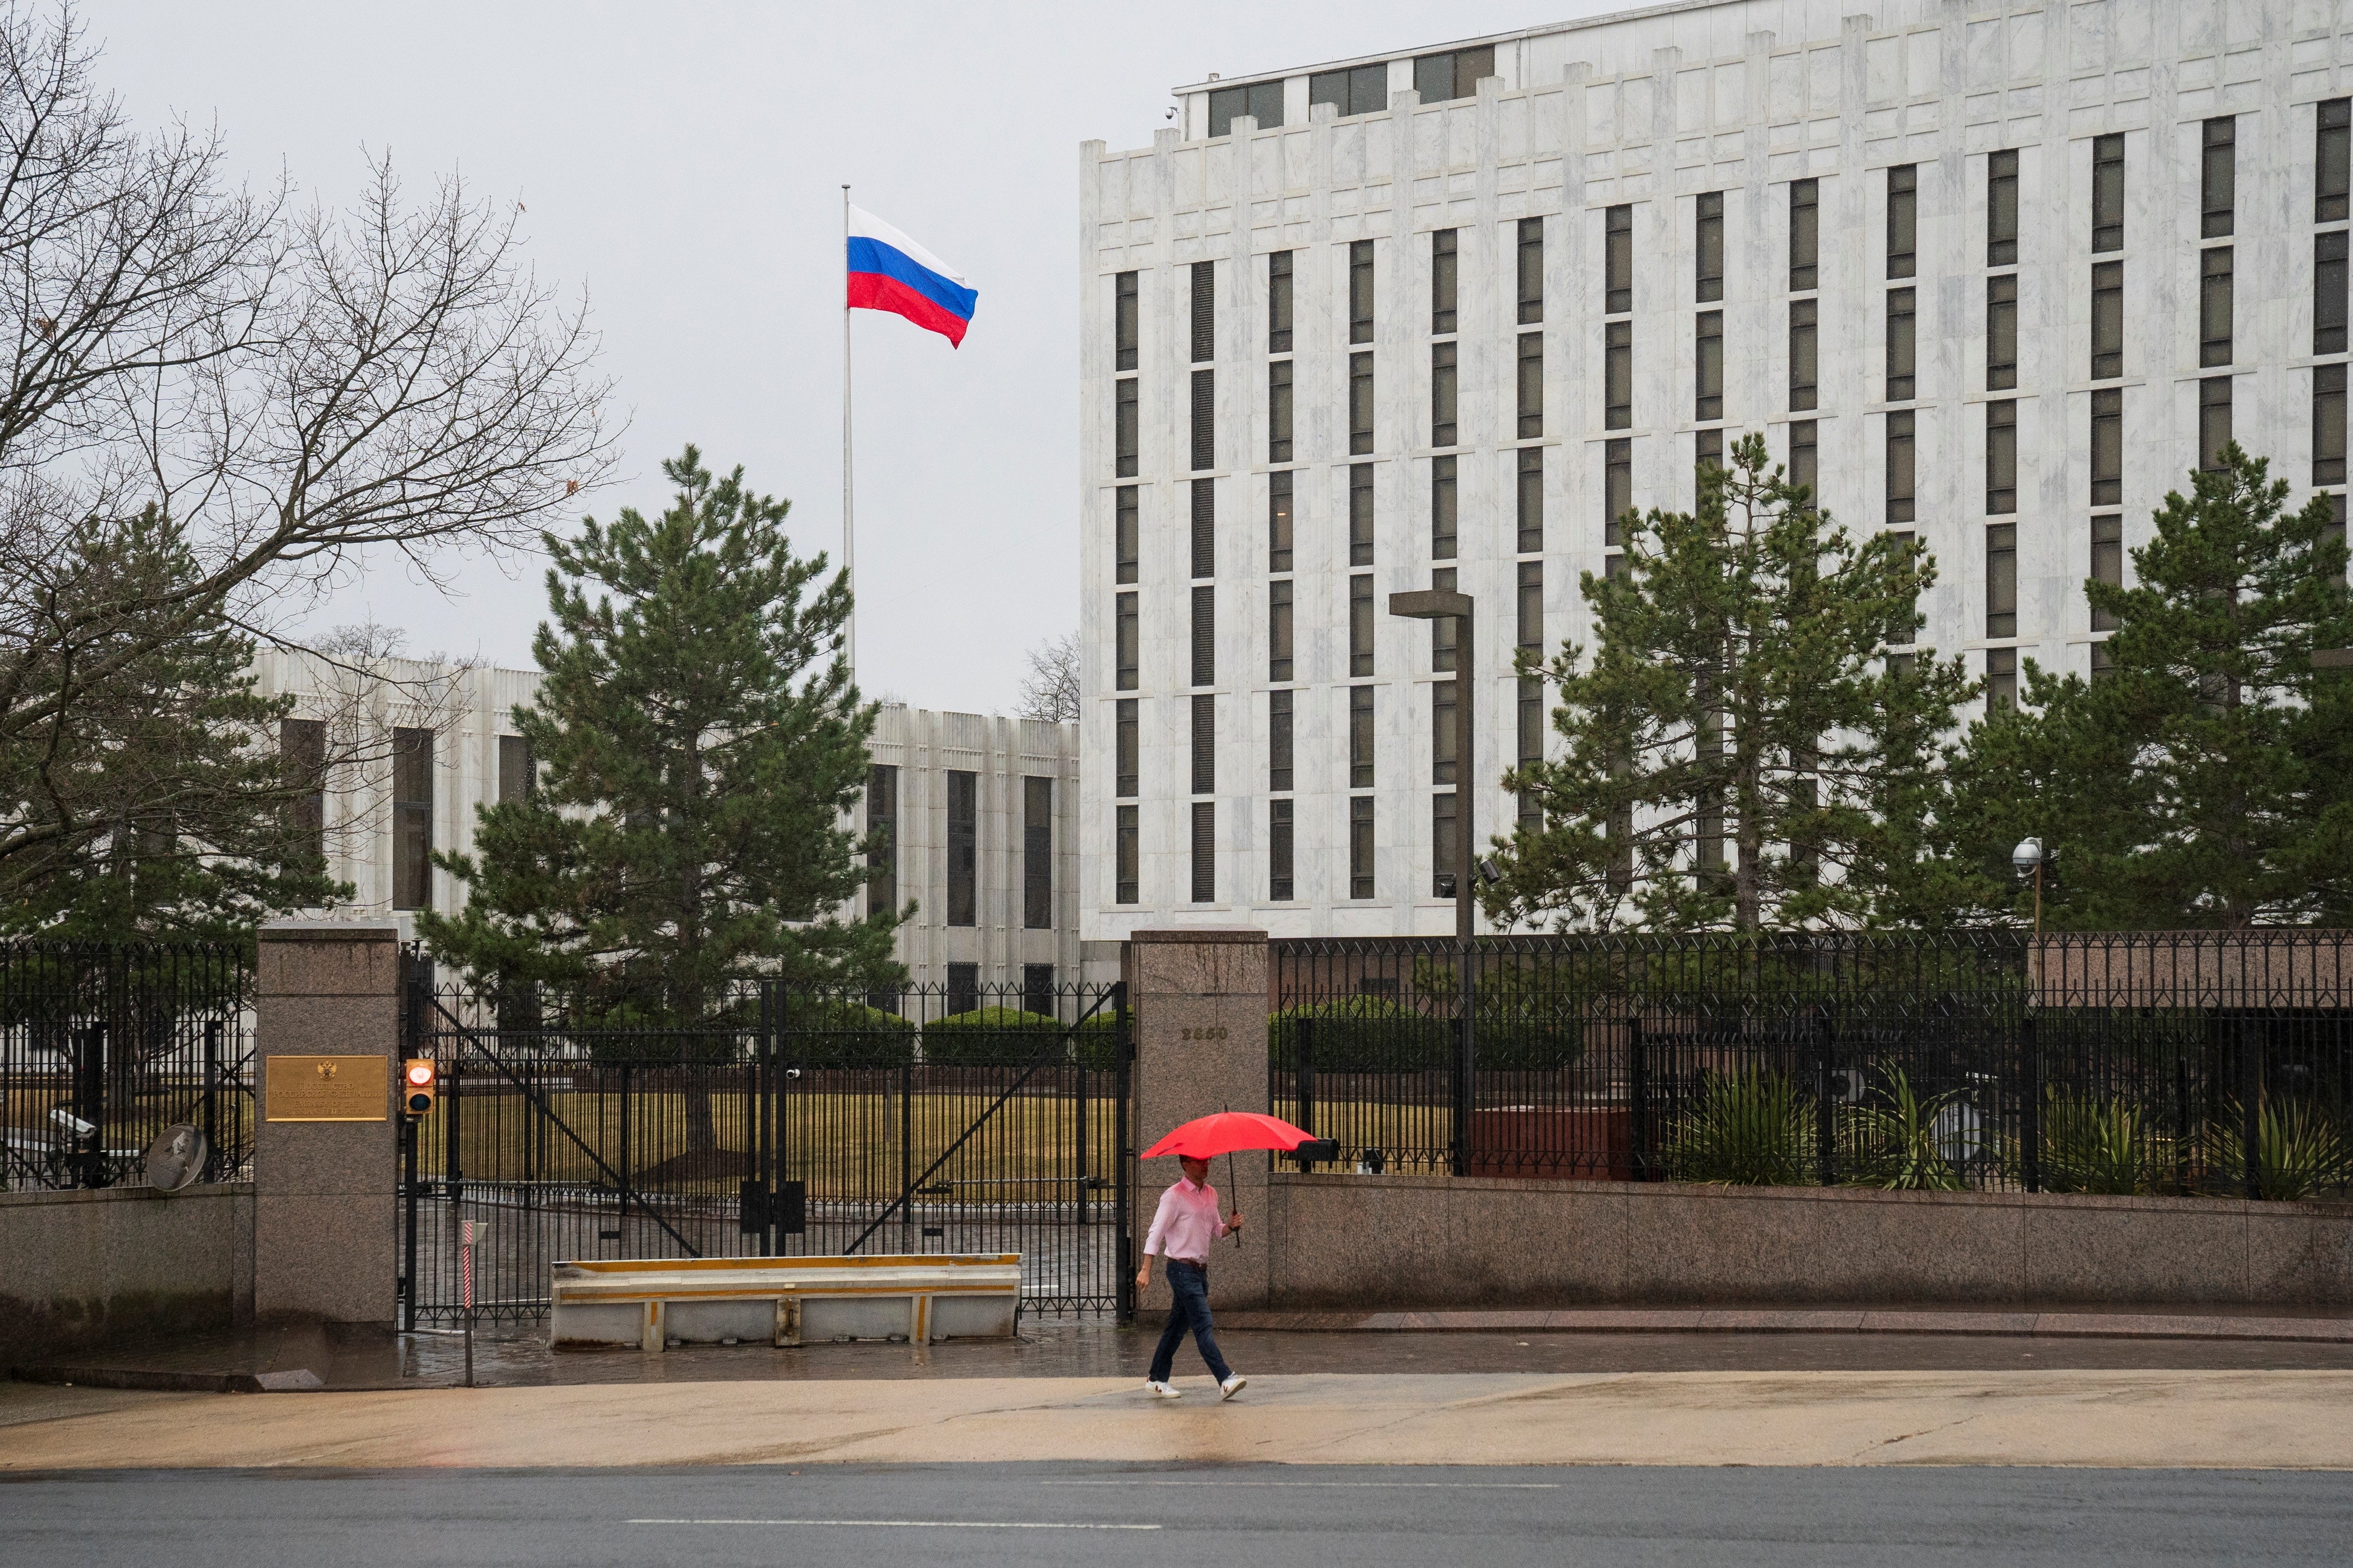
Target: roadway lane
[(880, 1517)]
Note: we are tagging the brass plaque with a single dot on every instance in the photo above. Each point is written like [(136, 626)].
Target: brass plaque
[(327, 1089)]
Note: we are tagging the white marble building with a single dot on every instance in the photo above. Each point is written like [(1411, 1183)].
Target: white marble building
[(2115, 230), (997, 906)]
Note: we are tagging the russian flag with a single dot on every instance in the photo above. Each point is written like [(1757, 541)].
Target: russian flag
[(888, 271)]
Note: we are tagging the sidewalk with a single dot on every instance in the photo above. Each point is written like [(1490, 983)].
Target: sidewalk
[(2162, 1325)]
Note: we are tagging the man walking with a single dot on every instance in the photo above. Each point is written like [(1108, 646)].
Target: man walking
[(1183, 1229)]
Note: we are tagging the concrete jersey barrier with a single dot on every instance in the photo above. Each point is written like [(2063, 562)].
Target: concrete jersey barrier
[(650, 1303)]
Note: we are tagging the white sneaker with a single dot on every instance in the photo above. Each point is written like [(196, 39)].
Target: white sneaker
[(1161, 1391), (1232, 1386)]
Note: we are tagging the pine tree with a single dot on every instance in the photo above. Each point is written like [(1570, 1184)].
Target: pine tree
[(2205, 776), (1740, 748), (699, 745)]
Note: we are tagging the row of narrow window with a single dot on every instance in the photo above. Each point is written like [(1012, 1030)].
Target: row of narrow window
[(882, 821)]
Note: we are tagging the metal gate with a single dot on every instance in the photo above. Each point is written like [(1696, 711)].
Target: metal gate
[(781, 1122)]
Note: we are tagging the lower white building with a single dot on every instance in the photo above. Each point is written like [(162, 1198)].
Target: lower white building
[(982, 810)]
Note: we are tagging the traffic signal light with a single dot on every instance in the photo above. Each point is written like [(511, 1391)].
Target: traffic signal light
[(418, 1084)]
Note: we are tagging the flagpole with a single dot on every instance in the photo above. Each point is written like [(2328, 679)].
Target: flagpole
[(848, 531)]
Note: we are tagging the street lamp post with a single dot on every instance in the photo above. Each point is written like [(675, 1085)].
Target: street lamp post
[(1432, 605)]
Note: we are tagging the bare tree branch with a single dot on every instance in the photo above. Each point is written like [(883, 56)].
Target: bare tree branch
[(1051, 688)]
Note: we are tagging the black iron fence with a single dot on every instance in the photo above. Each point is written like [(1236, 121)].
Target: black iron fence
[(2217, 1063), (103, 1048), (783, 1122)]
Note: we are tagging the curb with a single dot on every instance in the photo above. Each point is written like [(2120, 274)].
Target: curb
[(298, 1382), (1602, 1320)]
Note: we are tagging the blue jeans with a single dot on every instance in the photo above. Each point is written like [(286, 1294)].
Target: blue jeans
[(1188, 1287)]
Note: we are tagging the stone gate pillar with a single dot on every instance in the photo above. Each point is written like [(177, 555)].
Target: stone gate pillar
[(326, 1171), (1201, 1001)]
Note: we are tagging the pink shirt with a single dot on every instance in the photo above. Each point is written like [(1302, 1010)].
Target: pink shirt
[(1186, 1222)]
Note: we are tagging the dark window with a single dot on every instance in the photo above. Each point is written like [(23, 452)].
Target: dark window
[(1441, 509), (964, 848), (1441, 731), (1205, 635), (1127, 760), (1360, 625), (1904, 624), (1531, 727), (1443, 855), (1278, 522), (1261, 100), (1903, 220), (1123, 423), (2107, 319), (302, 767), (1531, 499), (1204, 852), (1360, 291), (1278, 739), (1531, 606), (1038, 990), (1617, 260), (2107, 561), (882, 832), (1279, 885), (1708, 246), (2001, 580), (1707, 452), (2328, 292), (2104, 663), (1362, 91), (1205, 528), (1804, 454), (1360, 737), (1360, 514), (2214, 420), (1708, 367), (1205, 311), (2218, 177), (2329, 424), (2331, 164), (1438, 78), (1278, 630), (518, 769), (964, 988), (412, 819), (1805, 235), (1531, 270), (1360, 846), (1441, 394), (1126, 855), (2108, 448), (2334, 533), (1278, 411), (1125, 641), (2002, 679), (1205, 745), (1530, 385), (1126, 534), (2001, 332), (1805, 352), (2214, 306), (2108, 193), (1442, 628), (1442, 261), (1278, 303), (1617, 490), (2002, 208), (1360, 405), (1037, 857), (2001, 457), (1205, 419), (1123, 320), (1617, 375), (1902, 344), (1899, 466)]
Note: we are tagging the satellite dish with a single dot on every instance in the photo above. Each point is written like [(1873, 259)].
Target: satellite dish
[(176, 1159)]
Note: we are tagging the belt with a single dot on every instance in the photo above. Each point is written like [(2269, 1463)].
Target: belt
[(1201, 1263)]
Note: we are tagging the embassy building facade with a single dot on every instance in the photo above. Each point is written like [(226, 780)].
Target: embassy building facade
[(1992, 277)]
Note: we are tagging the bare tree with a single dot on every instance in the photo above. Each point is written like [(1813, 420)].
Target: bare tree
[(285, 390), (1051, 688)]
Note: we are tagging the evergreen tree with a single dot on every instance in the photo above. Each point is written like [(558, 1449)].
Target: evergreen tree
[(1740, 751), (2205, 776), (153, 802), (700, 746)]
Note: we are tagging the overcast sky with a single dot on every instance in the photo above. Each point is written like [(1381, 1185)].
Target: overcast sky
[(682, 165)]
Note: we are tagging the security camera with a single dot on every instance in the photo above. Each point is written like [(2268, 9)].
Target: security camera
[(1488, 874), (72, 1126)]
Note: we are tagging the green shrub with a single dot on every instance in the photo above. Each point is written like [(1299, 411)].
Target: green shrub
[(2298, 1152), (1897, 1143), (1749, 1130), (992, 1035), (1361, 1034), (838, 1031), (1095, 1042), (2098, 1145)]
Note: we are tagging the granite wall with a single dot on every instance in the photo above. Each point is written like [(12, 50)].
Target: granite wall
[(77, 1268)]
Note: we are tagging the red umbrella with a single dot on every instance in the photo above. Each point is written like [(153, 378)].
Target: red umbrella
[(1228, 1130)]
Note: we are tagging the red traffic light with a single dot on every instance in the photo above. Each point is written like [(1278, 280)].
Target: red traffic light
[(419, 1083)]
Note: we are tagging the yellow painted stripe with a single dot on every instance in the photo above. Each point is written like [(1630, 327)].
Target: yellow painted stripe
[(862, 1260)]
